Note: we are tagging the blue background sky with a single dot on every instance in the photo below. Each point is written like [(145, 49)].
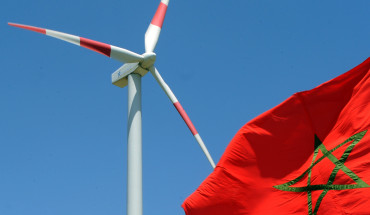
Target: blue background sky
[(63, 124)]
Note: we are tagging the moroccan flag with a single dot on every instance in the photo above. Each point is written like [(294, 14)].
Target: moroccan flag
[(309, 155)]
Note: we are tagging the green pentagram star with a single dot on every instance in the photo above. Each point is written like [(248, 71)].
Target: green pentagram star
[(339, 165)]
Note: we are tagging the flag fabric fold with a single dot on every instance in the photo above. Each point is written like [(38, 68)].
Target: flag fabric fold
[(309, 155)]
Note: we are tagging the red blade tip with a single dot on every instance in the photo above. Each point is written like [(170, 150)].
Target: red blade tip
[(27, 27)]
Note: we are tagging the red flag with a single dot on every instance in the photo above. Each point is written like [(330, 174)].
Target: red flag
[(309, 155)]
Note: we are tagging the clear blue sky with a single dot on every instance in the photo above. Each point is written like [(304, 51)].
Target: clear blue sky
[(63, 124)]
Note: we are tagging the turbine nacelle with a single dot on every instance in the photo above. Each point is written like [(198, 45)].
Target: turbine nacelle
[(119, 77)]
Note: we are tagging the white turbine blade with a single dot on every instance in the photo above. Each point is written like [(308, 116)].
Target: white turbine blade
[(114, 52), (154, 29), (182, 112)]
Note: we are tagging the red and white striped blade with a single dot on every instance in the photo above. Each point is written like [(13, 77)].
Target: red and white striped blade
[(154, 29), (111, 51), (182, 113)]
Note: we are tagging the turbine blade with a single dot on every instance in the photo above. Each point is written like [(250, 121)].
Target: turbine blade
[(114, 52), (154, 29), (182, 112)]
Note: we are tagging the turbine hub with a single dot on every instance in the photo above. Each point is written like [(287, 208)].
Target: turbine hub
[(148, 61)]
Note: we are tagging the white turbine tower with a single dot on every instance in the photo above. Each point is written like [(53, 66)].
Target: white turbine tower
[(130, 74)]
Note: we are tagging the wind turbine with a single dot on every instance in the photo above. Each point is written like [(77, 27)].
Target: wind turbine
[(130, 74)]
